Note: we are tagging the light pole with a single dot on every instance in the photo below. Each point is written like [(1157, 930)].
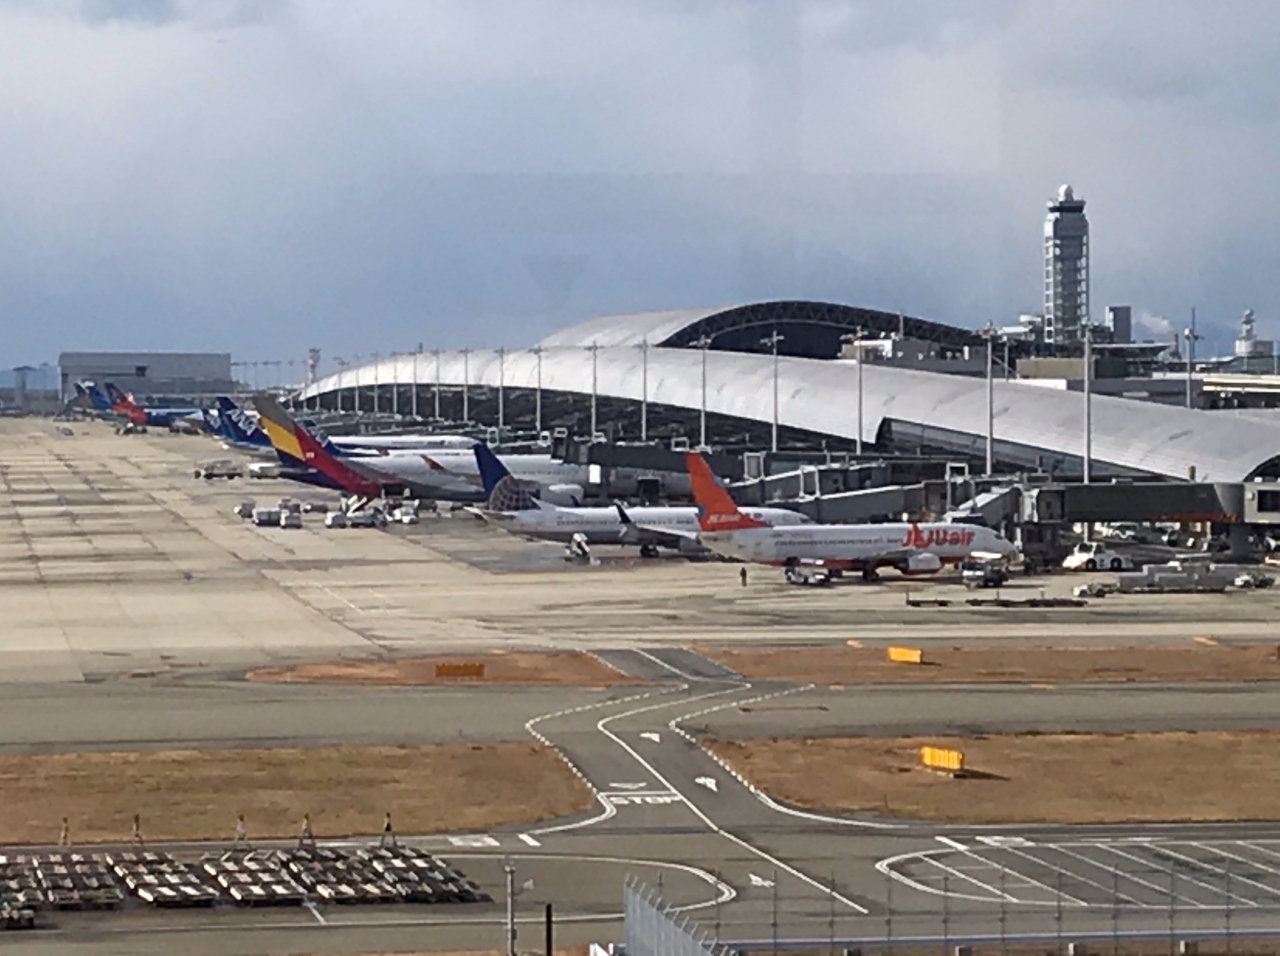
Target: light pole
[(395, 384), (502, 390), (1191, 337), (594, 349), (537, 393), (342, 374), (377, 378), (466, 384), (855, 339), (436, 353), (989, 333), (414, 399), (1087, 466), (772, 341), (509, 869), (644, 388), (702, 343)]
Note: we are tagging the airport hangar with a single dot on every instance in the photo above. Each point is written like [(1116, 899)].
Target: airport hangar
[(660, 356)]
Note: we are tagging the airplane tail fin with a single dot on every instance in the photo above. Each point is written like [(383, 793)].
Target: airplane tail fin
[(235, 427), (503, 490), (292, 441), (716, 510), (99, 401)]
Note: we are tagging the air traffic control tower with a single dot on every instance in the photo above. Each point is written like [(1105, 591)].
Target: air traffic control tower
[(1066, 269)]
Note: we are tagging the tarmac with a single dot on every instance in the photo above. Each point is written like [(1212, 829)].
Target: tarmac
[(134, 601)]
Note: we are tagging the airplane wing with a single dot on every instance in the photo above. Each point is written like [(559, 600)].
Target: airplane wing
[(642, 534), (663, 537)]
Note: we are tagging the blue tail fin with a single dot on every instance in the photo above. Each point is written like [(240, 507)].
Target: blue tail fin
[(492, 470), (238, 428), (100, 402), (503, 491)]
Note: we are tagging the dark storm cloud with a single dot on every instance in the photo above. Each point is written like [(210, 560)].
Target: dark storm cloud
[(264, 175)]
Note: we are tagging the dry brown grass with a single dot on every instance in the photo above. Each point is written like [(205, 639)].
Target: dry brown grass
[(567, 668), (196, 795), (1031, 778), (978, 664)]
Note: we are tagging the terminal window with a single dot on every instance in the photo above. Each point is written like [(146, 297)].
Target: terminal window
[(1269, 500)]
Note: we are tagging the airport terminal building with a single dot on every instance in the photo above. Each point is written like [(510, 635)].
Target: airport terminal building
[(149, 375), (713, 376)]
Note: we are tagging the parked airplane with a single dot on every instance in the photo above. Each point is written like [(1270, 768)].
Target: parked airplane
[(126, 407), (90, 398), (566, 483), (512, 507), (914, 548), (247, 436), (404, 474)]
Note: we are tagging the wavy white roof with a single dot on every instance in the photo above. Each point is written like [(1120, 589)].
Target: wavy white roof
[(820, 396)]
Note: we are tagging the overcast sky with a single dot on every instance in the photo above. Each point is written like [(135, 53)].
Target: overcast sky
[(261, 176)]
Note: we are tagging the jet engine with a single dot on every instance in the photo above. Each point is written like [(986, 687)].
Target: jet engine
[(922, 562)]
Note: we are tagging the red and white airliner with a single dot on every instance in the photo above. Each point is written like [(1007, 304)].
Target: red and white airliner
[(914, 548)]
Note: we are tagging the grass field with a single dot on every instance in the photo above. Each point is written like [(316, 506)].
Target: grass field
[(1025, 778), (196, 795)]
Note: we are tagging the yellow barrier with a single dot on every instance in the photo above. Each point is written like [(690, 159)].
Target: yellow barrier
[(940, 758), (460, 669), (906, 655)]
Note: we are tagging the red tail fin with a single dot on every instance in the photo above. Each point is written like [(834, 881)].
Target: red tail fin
[(716, 510)]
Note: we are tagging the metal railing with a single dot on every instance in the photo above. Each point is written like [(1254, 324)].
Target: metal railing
[(654, 928)]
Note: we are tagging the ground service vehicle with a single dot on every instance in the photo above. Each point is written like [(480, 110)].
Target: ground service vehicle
[(1096, 556), (977, 573)]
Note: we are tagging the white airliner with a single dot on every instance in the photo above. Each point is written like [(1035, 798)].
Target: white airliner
[(911, 548), (395, 443), (511, 507)]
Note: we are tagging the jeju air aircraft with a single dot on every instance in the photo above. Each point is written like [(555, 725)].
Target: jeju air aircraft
[(831, 549)]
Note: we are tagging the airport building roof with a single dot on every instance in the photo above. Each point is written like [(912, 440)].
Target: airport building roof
[(809, 329), (821, 396)]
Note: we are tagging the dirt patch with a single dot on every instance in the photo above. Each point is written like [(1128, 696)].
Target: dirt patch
[(196, 794), (1025, 778), (567, 668), (953, 665)]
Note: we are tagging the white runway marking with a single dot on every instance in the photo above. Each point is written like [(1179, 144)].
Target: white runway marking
[(529, 840), (474, 840), (1131, 872)]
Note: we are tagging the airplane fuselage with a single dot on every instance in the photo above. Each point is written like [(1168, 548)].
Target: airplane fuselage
[(605, 526), (856, 547)]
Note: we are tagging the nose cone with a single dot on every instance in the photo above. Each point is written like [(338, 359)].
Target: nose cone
[(1004, 547)]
